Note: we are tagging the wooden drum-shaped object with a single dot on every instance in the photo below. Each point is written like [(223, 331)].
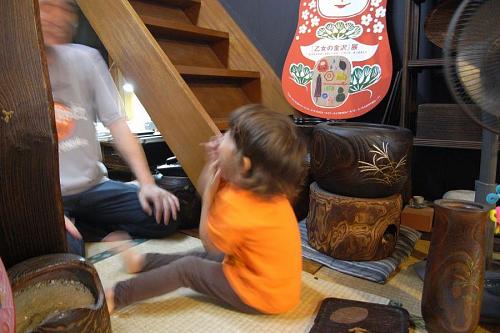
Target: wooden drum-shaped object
[(353, 228), (361, 160), (58, 293)]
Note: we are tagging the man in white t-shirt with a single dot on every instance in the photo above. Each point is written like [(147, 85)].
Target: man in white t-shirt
[(84, 92)]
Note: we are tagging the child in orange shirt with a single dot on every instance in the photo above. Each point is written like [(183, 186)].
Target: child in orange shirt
[(252, 259)]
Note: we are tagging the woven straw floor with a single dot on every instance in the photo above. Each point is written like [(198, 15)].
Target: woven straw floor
[(187, 311)]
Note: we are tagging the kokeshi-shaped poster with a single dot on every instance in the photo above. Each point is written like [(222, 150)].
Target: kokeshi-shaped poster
[(339, 65)]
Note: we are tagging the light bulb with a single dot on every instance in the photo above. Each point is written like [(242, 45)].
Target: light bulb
[(128, 87)]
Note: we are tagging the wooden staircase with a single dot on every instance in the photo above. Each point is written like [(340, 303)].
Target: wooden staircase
[(190, 51)]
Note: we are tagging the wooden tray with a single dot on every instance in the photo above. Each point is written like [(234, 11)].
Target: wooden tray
[(346, 316)]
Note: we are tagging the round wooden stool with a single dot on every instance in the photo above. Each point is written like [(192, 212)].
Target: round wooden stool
[(353, 228)]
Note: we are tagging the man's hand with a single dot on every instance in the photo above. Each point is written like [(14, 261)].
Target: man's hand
[(154, 198), (71, 229)]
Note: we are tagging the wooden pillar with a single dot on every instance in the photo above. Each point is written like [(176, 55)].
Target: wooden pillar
[(31, 210)]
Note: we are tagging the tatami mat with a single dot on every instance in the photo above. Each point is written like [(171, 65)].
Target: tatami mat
[(405, 287), (94, 248), (187, 311)]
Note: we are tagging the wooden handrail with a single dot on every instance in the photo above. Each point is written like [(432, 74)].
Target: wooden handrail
[(176, 112)]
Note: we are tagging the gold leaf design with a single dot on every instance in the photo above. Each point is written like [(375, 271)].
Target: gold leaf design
[(358, 330), (382, 169), (7, 115), (469, 279)]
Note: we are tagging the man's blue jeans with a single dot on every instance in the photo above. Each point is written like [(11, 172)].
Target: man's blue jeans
[(108, 207)]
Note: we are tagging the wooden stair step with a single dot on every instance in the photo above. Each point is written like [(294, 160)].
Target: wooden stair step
[(170, 29), (219, 73), (220, 98), (164, 12)]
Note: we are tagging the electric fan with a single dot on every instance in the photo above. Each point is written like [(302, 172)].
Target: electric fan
[(472, 70)]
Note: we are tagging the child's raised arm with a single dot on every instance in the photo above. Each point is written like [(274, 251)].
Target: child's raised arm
[(211, 175), (212, 155)]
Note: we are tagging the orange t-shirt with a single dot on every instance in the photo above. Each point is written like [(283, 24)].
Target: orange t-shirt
[(261, 241)]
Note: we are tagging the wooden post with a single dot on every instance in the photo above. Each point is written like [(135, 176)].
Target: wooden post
[(31, 210)]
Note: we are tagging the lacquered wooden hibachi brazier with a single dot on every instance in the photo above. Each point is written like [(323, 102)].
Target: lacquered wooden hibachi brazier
[(361, 160)]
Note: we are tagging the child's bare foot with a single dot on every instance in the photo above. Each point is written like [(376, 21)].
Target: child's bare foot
[(133, 262), (110, 299)]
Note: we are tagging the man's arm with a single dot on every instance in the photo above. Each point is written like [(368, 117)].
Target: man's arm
[(131, 151), (108, 108), (150, 196)]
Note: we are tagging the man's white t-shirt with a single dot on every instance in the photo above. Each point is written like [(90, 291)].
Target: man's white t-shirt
[(83, 92)]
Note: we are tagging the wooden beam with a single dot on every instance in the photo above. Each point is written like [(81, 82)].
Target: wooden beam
[(31, 210), (179, 116)]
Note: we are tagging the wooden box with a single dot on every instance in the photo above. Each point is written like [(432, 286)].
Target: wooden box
[(342, 315), (418, 218), (446, 122)]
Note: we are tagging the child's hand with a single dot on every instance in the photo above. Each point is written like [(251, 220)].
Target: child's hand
[(212, 148)]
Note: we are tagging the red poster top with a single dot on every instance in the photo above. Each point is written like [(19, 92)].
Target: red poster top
[(339, 65)]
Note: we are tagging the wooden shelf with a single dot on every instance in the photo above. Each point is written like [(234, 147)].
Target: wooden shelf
[(169, 29), (179, 3), (210, 72), (425, 63), (419, 142)]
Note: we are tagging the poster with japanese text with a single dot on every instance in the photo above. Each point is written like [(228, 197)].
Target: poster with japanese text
[(339, 65)]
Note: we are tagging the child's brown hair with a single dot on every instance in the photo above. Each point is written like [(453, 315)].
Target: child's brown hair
[(273, 145)]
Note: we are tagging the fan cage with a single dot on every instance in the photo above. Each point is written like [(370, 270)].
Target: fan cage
[(472, 60)]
